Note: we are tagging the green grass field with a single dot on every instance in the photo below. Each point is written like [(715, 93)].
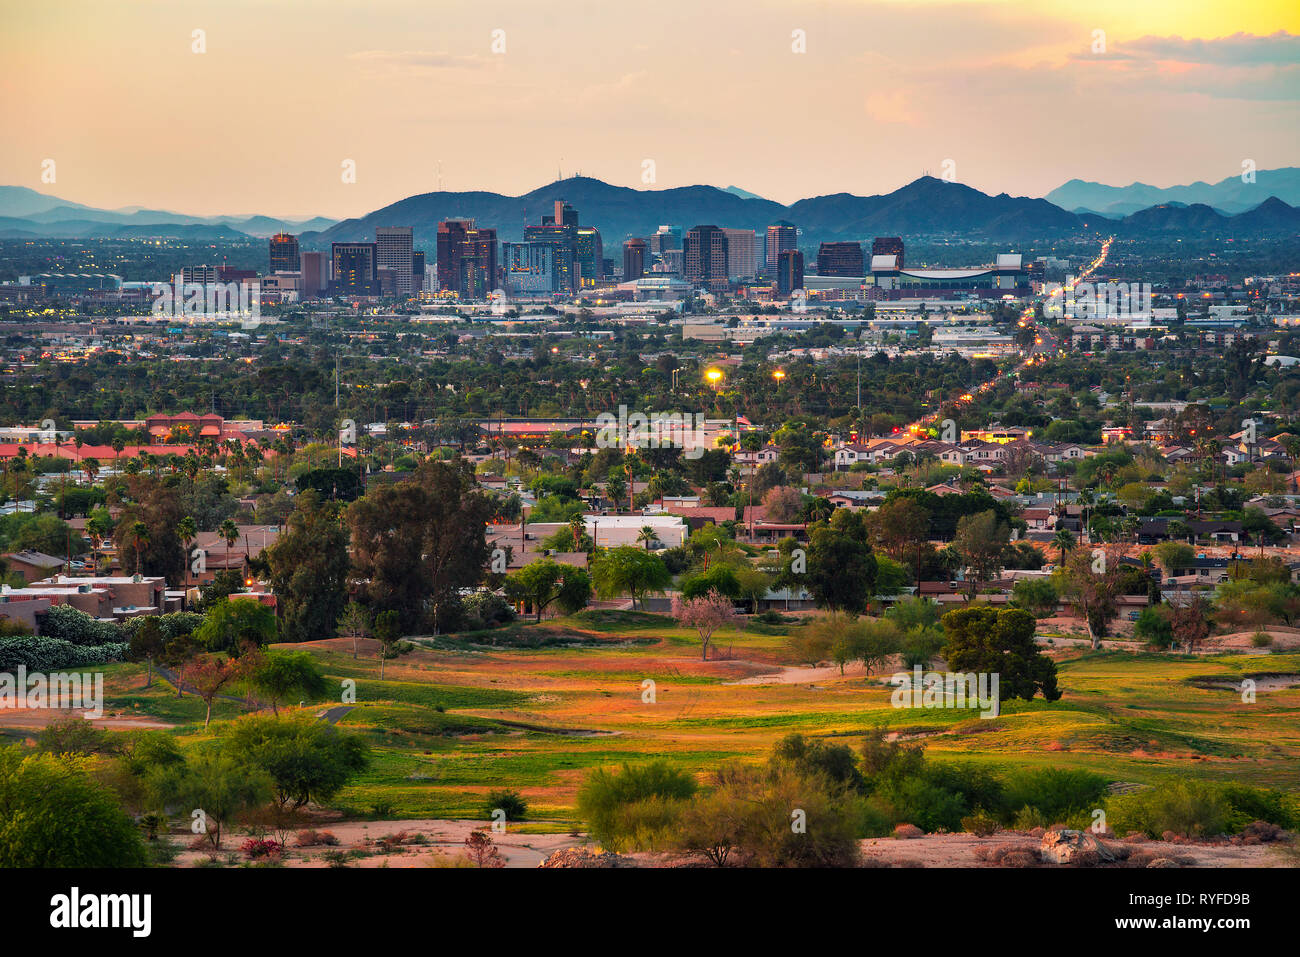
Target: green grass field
[(453, 721)]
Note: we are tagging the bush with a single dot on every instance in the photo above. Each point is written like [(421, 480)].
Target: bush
[(171, 625), (1182, 806), (981, 823), (256, 849), (53, 654), (1261, 639), (1053, 794), (65, 623), (509, 801), (486, 609), (606, 799)]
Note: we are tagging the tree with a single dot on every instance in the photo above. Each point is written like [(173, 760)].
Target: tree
[(187, 531), (147, 645), (1063, 540), (52, 814), (354, 623), (1153, 627), (784, 504), (309, 568), (281, 674), (899, 528), (418, 542), (541, 582), (752, 584), (1036, 596), (179, 654), (307, 760), (1190, 622), (981, 541), (1172, 556), (841, 567), (209, 674), (213, 782), (706, 615), (388, 628), (229, 533), (629, 570), (1092, 584), (984, 640), (647, 537), (233, 622)]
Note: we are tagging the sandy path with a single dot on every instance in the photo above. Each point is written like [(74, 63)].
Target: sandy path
[(40, 717), (792, 675), (958, 850)]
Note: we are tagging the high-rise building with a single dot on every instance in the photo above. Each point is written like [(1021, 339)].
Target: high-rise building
[(451, 242), (780, 237), (840, 259), (353, 269), (417, 270), (704, 254), (284, 253), (633, 259), (789, 272), (666, 239), (394, 249), (529, 267), (478, 264), (590, 254), (564, 215), (742, 245), (888, 246), (315, 274), (565, 241)]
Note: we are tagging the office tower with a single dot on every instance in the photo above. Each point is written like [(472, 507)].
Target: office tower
[(315, 274), (589, 252), (203, 274), (353, 269), (529, 267), (633, 259), (394, 250), (780, 237), (840, 259), (417, 270), (888, 246), (741, 247), (789, 272), (565, 215), (284, 253), (666, 239), (451, 240), (478, 264), (564, 239), (704, 254)]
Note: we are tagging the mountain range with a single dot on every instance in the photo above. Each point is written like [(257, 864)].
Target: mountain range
[(924, 207), (1228, 196)]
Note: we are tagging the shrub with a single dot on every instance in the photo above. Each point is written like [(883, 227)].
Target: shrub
[(509, 801), (1181, 805), (53, 654), (1261, 639), (258, 848), (981, 823), (1054, 793), (605, 794), (309, 837), (66, 623)]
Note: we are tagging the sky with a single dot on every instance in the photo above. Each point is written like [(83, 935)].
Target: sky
[(785, 99)]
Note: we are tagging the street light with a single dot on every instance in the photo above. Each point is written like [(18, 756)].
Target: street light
[(778, 375), (714, 376)]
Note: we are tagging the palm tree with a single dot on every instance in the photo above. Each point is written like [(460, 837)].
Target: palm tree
[(577, 525), (1064, 540), (229, 532), (646, 536), (188, 531), (139, 537)]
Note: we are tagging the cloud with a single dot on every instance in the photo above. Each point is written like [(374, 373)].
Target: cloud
[(416, 61)]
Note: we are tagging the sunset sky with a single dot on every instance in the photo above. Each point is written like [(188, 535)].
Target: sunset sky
[(1011, 92)]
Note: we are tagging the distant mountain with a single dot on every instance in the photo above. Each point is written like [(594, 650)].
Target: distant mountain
[(1272, 217), (25, 213), (742, 193), (1229, 195), (926, 206)]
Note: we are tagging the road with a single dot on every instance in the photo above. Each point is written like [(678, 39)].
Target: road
[(1044, 343)]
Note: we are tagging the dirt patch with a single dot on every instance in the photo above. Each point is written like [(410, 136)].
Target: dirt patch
[(40, 717)]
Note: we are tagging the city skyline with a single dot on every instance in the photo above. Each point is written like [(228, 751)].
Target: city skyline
[(800, 99)]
